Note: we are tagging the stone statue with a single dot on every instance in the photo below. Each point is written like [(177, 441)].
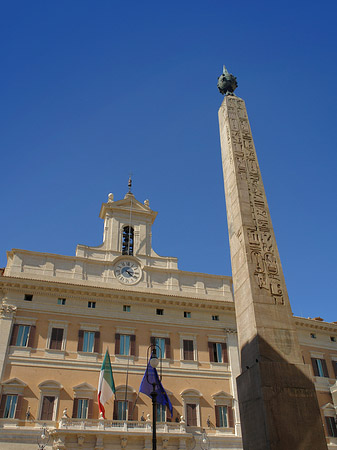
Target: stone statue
[(227, 83)]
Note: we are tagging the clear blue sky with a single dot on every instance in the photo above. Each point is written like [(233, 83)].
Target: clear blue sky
[(93, 90)]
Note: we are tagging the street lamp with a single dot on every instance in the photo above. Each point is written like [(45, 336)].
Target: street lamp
[(204, 445), (154, 362), (43, 438)]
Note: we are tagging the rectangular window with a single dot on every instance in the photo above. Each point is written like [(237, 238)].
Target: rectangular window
[(188, 350), (332, 338), (91, 304), (319, 367), (223, 416), (61, 301), (161, 413), (334, 365), (82, 408), (215, 317), (88, 341), (218, 352), (47, 410), (313, 335), (122, 408), (23, 334), (160, 342), (10, 406), (187, 314), (124, 343), (127, 308), (191, 413), (159, 312), (28, 297), (56, 338), (331, 426)]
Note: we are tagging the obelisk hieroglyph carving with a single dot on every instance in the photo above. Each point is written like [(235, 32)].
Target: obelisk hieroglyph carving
[(278, 403)]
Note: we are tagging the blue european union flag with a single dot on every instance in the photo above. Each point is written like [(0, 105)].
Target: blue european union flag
[(146, 386)]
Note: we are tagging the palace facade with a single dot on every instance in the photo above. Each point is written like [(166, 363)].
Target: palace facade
[(59, 314)]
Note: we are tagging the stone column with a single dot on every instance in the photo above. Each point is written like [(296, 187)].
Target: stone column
[(7, 314), (234, 363), (278, 403)]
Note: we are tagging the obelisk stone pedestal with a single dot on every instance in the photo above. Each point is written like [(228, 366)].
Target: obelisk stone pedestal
[(277, 398)]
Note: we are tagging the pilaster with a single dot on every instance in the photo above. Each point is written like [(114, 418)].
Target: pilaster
[(7, 314)]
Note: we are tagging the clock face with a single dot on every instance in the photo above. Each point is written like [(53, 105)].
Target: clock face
[(128, 272)]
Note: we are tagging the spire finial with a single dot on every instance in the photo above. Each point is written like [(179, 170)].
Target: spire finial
[(130, 183), (227, 82)]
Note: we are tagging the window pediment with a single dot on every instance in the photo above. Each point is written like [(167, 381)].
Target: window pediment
[(191, 393), (13, 386), (49, 385)]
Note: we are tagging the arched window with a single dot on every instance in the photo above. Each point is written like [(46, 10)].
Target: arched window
[(127, 241)]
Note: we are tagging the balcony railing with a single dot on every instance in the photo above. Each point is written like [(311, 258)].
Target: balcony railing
[(120, 425)]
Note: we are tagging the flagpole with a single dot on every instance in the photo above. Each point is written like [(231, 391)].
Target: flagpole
[(126, 386)]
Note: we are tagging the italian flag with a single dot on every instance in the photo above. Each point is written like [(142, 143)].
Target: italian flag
[(106, 385)]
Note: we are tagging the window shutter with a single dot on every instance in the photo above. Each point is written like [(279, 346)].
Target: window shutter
[(80, 340), (115, 413), (2, 405), (211, 351), (224, 352), (334, 364), (152, 340), (31, 338), (188, 350), (47, 408), (167, 349), (90, 408), (75, 408), (130, 411), (191, 410), (132, 345), (96, 344), (328, 425), (230, 417), (217, 416), (168, 414), (56, 338), (189, 414), (314, 366), (117, 346), (14, 335), (18, 407), (325, 369)]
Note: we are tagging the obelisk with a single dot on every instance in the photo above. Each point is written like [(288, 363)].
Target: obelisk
[(277, 399)]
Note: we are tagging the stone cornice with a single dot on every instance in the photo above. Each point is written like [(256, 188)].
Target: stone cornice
[(74, 289), (315, 324)]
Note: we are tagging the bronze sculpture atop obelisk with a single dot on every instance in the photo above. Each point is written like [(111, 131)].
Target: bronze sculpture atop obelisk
[(278, 404)]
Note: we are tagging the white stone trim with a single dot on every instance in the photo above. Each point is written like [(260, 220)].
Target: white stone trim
[(191, 396), (89, 327), (13, 386), (159, 334), (84, 390), (317, 355), (49, 388), (25, 321), (216, 338), (189, 337), (57, 324), (127, 331)]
